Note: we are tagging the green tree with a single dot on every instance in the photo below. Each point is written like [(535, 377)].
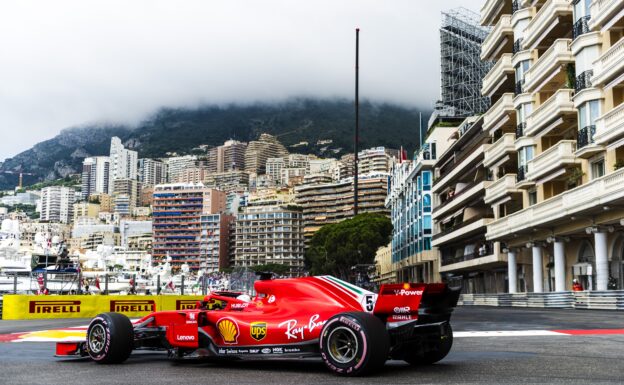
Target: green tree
[(336, 248)]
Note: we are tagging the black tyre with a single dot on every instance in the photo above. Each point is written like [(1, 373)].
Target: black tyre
[(110, 338), (434, 353), (354, 344)]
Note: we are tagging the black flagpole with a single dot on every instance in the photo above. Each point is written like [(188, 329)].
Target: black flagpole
[(357, 120)]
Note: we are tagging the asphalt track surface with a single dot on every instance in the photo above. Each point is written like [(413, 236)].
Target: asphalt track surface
[(477, 359)]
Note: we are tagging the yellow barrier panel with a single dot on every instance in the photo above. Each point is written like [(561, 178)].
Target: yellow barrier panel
[(17, 307)]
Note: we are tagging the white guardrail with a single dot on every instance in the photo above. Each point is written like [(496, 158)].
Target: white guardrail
[(602, 300)]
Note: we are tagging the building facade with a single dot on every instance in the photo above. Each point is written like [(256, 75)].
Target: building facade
[(152, 172), (228, 157), (259, 151), (57, 204), (325, 203), (95, 176), (177, 212), (177, 164), (215, 241), (559, 182), (123, 162), (268, 234)]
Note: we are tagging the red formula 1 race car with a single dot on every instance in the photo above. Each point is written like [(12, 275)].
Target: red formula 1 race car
[(353, 330)]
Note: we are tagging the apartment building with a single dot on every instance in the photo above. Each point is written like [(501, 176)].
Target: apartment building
[(177, 164), (192, 175), (95, 176), (228, 181), (86, 209), (461, 214), (123, 162), (152, 172), (411, 257), (215, 241), (259, 151), (57, 204), (324, 203), (228, 157), (128, 187), (267, 234), (177, 212), (558, 183), (377, 159)]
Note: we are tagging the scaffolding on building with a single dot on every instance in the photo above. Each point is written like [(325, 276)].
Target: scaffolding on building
[(462, 70)]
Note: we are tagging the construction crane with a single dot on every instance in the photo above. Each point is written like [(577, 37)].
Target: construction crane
[(21, 176)]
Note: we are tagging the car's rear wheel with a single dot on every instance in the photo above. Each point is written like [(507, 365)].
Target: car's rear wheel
[(435, 352), (110, 338), (354, 343)]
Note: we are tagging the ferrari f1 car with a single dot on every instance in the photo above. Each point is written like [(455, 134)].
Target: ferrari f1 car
[(353, 330)]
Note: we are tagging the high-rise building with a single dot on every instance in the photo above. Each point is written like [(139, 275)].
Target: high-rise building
[(57, 204), (177, 212), (258, 151), (129, 187), (558, 142), (333, 202), (86, 209), (228, 157), (377, 159), (461, 67), (123, 162), (215, 241), (152, 172), (268, 234), (177, 164), (95, 176), (228, 181), (192, 175), (412, 257)]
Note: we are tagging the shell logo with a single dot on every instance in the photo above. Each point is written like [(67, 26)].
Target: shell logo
[(228, 330)]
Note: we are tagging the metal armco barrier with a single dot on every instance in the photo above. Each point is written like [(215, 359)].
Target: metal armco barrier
[(0, 307), (17, 307), (604, 300)]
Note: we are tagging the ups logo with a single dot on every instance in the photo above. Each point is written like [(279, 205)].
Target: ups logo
[(258, 330)]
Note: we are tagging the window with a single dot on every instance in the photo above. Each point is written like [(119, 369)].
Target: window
[(532, 197), (598, 168), (588, 113), (426, 178), (525, 155), (427, 203)]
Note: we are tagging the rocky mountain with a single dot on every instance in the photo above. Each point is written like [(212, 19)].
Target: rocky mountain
[(326, 126)]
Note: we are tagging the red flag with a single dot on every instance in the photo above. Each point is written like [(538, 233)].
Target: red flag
[(171, 285), (97, 282)]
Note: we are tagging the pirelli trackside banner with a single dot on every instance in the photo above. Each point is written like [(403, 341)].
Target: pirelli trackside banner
[(86, 306)]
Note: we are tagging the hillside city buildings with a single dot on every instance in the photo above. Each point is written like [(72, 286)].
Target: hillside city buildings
[(518, 185)]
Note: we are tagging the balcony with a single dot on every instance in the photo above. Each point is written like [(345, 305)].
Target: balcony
[(592, 196), (549, 21), (581, 27), (466, 228), (545, 74), (552, 161), (610, 126), (466, 160), (500, 113), (585, 144), (604, 12), (497, 151), (460, 199), (501, 188), (517, 46), (499, 74), (555, 111), (583, 81), (493, 9), (499, 41), (610, 65)]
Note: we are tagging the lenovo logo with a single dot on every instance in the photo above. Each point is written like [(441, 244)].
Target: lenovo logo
[(185, 338), (132, 306), (53, 307)]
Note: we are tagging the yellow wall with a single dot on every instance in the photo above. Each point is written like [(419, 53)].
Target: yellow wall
[(86, 306)]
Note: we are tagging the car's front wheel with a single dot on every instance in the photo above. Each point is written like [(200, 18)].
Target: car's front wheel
[(110, 338), (354, 343)]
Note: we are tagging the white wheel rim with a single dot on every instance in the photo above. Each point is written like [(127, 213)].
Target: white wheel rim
[(97, 338), (343, 344)]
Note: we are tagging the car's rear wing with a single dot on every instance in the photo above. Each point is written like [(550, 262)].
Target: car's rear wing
[(404, 302)]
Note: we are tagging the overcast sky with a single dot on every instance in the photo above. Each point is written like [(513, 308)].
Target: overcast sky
[(67, 63)]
